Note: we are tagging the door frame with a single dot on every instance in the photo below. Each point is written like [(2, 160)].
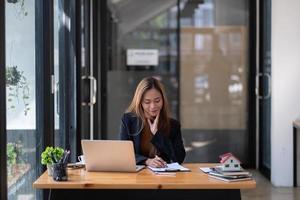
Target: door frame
[(100, 57), (251, 85), (263, 88), (3, 170), (44, 52)]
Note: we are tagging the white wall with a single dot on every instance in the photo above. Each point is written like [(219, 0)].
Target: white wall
[(285, 87)]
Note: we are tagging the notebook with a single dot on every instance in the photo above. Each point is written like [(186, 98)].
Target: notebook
[(172, 167), (109, 156), (230, 179)]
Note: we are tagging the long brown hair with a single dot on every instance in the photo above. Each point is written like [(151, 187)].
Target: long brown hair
[(136, 103)]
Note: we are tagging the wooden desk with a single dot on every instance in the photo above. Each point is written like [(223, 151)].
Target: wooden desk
[(142, 185)]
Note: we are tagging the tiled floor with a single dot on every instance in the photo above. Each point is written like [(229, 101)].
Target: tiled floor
[(265, 191)]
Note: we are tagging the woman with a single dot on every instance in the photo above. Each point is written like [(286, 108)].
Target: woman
[(156, 137)]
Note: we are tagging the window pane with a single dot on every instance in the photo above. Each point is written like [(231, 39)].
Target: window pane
[(59, 139), (213, 78), (65, 75), (142, 26), (20, 86)]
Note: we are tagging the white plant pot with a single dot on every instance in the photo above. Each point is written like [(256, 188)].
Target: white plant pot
[(50, 169)]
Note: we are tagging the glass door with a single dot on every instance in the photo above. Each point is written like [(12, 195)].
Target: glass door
[(42, 57), (214, 72), (133, 27), (21, 99), (203, 59), (74, 84), (64, 77), (59, 138), (202, 56)]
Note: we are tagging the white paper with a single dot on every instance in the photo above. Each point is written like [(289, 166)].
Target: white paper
[(170, 168), (206, 169)]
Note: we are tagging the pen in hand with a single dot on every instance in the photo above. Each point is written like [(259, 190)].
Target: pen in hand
[(164, 164)]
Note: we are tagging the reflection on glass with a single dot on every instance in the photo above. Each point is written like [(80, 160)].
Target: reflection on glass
[(20, 86), (143, 25), (213, 78), (214, 73)]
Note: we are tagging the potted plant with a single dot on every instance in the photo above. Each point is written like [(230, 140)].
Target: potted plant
[(17, 86), (11, 157), (14, 157), (21, 5), (51, 155)]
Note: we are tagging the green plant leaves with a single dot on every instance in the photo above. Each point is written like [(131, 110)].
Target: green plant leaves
[(47, 158), (11, 154)]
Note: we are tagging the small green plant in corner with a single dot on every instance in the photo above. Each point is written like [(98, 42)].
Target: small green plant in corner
[(11, 154), (51, 155), (11, 157)]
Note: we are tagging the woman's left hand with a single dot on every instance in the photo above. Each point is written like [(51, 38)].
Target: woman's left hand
[(153, 126)]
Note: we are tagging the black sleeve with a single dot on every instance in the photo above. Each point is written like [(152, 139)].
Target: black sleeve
[(171, 147), (125, 134), (124, 129)]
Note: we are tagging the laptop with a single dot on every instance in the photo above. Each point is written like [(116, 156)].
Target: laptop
[(109, 156)]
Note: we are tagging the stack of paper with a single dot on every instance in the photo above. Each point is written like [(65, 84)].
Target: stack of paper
[(229, 176)]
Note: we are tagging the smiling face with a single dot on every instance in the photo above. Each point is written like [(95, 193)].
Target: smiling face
[(152, 103)]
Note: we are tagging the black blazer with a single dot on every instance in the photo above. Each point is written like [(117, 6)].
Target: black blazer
[(171, 148)]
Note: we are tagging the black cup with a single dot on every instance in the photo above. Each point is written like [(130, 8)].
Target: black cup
[(60, 172)]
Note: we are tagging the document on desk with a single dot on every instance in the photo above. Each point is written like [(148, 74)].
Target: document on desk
[(172, 167)]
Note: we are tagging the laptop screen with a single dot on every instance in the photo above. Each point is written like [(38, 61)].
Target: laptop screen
[(109, 155)]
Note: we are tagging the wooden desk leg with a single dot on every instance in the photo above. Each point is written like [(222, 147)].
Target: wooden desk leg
[(146, 194)]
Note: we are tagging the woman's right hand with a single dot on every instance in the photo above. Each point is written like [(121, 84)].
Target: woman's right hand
[(157, 162)]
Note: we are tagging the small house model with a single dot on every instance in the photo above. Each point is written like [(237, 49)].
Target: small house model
[(229, 162)]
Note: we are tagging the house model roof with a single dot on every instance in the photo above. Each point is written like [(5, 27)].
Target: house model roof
[(226, 156)]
